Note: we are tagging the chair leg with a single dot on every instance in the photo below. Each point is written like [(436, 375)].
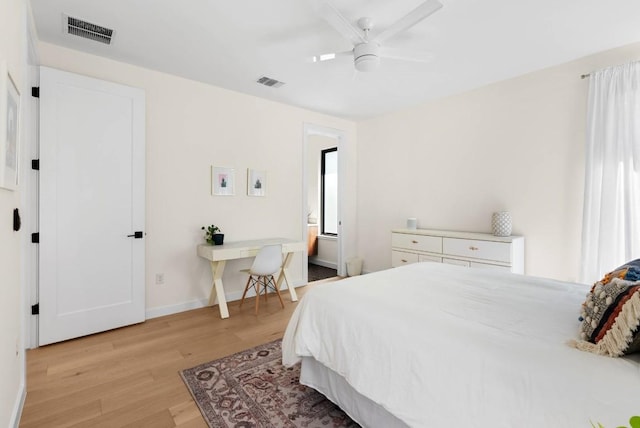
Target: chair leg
[(271, 282), (266, 292), (246, 288), (275, 287), (257, 288), (260, 284)]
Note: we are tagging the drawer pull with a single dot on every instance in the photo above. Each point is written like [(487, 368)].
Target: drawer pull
[(472, 248), (414, 241), (403, 261)]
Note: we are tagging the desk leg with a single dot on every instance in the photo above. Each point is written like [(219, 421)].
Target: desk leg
[(217, 269), (284, 275)]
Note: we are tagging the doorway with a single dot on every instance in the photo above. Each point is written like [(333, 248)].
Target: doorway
[(322, 203)]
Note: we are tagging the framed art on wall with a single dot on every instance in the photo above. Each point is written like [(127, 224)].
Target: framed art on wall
[(222, 181), (256, 182), (9, 119)]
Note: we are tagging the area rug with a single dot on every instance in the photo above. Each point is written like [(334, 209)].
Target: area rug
[(253, 389), (317, 272)]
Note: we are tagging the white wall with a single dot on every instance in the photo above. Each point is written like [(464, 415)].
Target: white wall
[(327, 252), (190, 126), (516, 145), (12, 368)]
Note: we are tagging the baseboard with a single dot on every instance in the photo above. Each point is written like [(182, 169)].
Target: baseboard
[(323, 263), (175, 309), (201, 303), (19, 405)]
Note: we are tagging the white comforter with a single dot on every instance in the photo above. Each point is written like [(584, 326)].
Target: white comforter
[(443, 346)]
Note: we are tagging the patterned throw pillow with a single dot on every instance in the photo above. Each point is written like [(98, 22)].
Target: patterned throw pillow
[(629, 271), (611, 314)]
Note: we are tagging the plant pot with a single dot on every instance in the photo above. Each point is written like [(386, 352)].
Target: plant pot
[(218, 238)]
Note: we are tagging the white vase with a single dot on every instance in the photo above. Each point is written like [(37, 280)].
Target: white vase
[(501, 223)]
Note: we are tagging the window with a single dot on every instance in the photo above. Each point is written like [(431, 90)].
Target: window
[(329, 192), (611, 218)]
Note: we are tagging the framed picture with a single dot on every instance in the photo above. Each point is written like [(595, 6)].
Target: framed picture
[(9, 120), (222, 181), (256, 182)]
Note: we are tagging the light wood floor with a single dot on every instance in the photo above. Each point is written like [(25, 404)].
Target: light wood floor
[(129, 377)]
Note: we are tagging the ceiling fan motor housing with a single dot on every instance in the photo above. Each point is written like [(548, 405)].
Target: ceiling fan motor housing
[(366, 56)]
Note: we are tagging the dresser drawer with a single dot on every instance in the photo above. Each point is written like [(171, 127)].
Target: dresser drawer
[(489, 266), (497, 251), (455, 262), (400, 258), (429, 258), (432, 244)]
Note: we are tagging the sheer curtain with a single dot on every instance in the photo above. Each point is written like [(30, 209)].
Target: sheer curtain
[(611, 220)]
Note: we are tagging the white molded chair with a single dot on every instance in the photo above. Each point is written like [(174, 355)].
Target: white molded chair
[(267, 263)]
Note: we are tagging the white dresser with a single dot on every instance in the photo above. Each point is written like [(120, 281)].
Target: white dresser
[(481, 250)]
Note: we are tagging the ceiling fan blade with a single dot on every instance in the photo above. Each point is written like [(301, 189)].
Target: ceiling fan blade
[(403, 55), (331, 56), (409, 20), (329, 13)]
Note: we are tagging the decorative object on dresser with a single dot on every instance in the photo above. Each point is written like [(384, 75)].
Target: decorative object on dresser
[(501, 223), (481, 250)]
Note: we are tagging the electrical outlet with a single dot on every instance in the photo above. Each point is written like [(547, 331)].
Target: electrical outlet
[(159, 278)]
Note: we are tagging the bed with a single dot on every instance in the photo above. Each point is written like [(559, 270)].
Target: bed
[(435, 345)]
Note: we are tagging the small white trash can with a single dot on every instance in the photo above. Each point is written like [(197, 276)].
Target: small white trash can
[(354, 266)]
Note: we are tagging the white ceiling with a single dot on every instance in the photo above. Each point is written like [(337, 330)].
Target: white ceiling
[(232, 43)]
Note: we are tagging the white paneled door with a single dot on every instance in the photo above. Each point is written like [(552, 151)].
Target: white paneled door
[(92, 154)]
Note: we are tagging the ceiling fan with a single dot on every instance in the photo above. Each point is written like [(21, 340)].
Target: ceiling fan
[(367, 51)]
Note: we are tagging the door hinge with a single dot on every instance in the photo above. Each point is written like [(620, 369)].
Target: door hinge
[(35, 91), (35, 309), (35, 238), (35, 164)]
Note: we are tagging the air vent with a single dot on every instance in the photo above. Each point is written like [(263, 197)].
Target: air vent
[(87, 30), (268, 81)]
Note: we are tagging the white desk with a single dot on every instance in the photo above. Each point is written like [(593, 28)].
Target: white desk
[(219, 254)]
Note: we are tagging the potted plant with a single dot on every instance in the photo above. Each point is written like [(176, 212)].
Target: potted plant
[(212, 235)]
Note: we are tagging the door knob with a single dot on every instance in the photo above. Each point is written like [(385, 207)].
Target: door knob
[(136, 235)]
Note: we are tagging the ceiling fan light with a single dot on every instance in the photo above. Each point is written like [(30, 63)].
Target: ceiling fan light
[(366, 56), (367, 62)]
